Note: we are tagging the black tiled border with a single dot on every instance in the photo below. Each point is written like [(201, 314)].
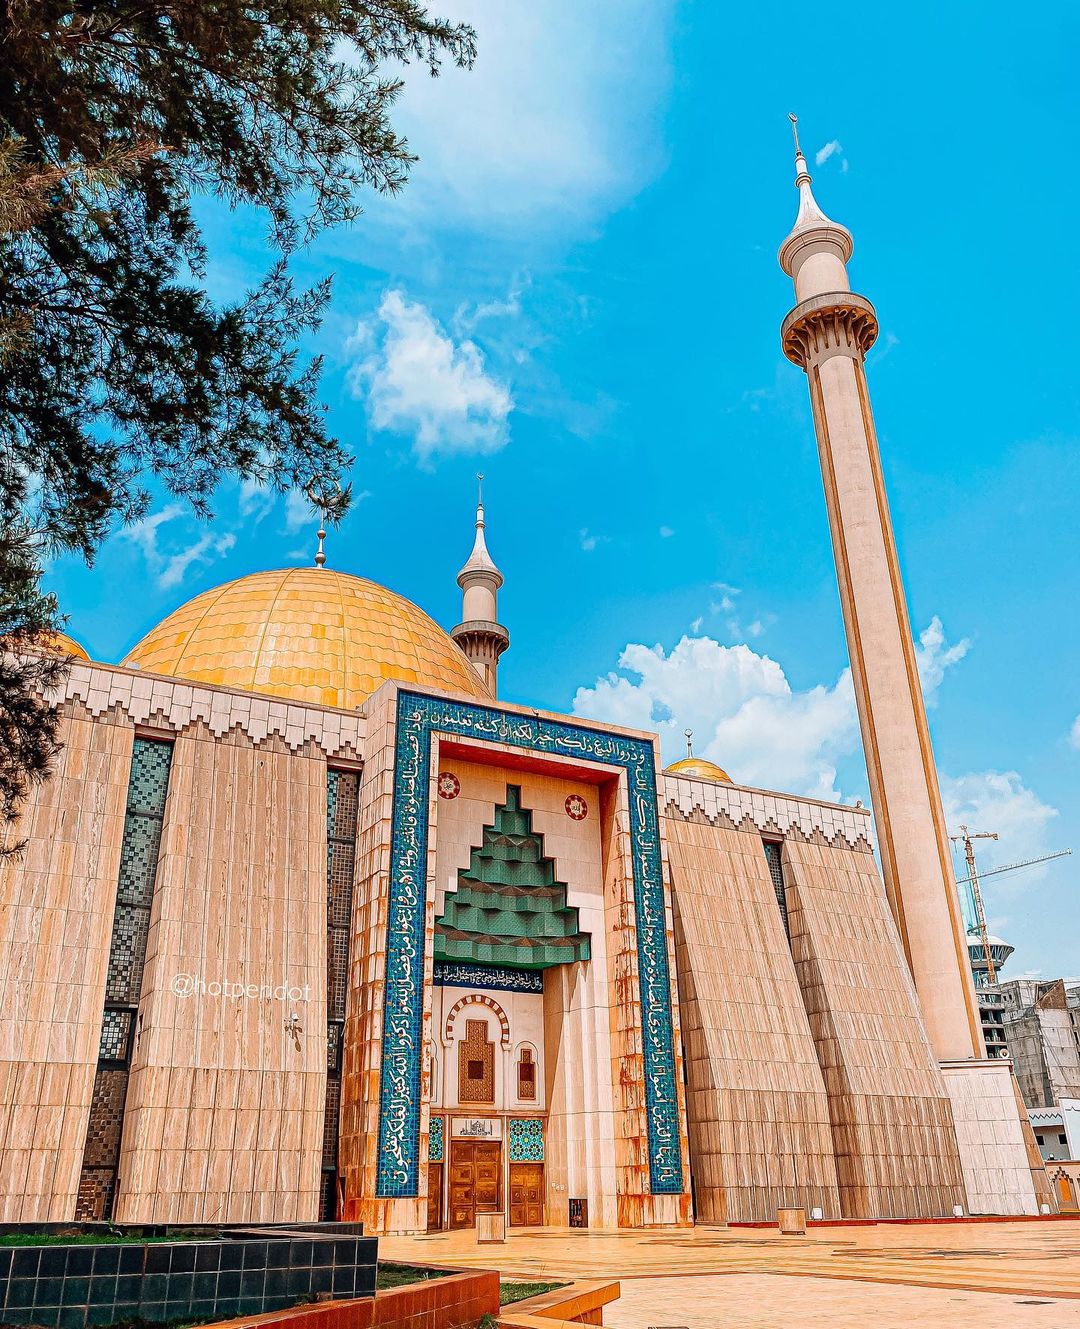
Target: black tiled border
[(241, 1271)]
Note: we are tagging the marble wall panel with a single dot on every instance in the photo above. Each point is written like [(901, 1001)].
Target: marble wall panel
[(1002, 1172), (893, 1131), (757, 1110), (226, 1099), (56, 907)]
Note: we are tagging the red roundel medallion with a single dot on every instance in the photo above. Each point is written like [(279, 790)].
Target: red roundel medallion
[(449, 785), (576, 807)]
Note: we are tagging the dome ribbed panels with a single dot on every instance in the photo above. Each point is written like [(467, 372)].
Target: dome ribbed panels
[(307, 634)]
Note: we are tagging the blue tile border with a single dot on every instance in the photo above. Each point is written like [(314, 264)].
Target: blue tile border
[(418, 717)]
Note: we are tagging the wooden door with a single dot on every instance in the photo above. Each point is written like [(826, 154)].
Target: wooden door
[(526, 1194), (475, 1174), (434, 1197)]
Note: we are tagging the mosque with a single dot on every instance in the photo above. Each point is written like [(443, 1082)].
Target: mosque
[(312, 922)]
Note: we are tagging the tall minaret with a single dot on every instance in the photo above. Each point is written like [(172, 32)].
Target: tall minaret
[(827, 334), (480, 634)]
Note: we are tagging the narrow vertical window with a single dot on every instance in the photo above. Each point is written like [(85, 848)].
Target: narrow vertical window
[(342, 810), (774, 858), (148, 786), (526, 1075)]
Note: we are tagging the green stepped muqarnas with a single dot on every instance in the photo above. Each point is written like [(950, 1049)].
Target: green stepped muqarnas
[(508, 908)]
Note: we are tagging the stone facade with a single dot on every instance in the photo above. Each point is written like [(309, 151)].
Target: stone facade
[(743, 933)]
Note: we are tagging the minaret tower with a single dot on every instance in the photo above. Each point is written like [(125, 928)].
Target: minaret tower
[(827, 334), (480, 634)]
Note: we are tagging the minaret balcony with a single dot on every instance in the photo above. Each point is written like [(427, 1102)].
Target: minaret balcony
[(477, 632), (837, 321)]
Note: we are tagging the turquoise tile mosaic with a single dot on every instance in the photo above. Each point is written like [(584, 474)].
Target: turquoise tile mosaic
[(436, 1136), (526, 1140), (418, 717)]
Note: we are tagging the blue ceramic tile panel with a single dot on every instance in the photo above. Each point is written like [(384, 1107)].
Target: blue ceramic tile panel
[(526, 1140)]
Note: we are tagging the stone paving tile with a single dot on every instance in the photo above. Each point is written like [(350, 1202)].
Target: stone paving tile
[(766, 1301), (1040, 1259)]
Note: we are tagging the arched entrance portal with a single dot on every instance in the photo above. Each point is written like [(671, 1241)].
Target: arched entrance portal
[(505, 932)]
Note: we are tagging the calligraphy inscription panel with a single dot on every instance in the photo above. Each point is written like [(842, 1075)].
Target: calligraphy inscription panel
[(418, 717)]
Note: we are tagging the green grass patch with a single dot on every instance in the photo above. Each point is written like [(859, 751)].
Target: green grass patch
[(390, 1275), (511, 1292)]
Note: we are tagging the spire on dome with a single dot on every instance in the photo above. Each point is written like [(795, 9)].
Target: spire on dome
[(480, 561)]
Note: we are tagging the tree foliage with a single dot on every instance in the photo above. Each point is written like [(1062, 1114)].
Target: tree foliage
[(115, 365)]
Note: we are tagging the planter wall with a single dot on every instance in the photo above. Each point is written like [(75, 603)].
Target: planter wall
[(244, 1272)]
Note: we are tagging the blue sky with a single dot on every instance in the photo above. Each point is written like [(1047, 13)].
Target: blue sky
[(578, 293)]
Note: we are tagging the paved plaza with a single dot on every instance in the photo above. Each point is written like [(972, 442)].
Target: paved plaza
[(1024, 1273), (768, 1301)]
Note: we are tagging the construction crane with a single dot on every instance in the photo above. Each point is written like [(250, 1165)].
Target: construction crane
[(965, 838), (1013, 867)]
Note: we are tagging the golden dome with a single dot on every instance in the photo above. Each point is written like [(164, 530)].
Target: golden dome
[(61, 644), (308, 634), (697, 768)]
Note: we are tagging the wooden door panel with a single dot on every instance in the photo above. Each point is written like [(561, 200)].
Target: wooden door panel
[(487, 1167), (462, 1191), (475, 1180), (434, 1197), (526, 1194)]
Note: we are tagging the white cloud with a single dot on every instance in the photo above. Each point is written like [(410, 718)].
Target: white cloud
[(831, 149), (205, 550), (744, 712), (558, 122), (256, 501), (299, 514), (726, 603), (169, 566), (589, 541), (1000, 801), (416, 380), (144, 533), (466, 318), (934, 655), (885, 346), (1074, 733)]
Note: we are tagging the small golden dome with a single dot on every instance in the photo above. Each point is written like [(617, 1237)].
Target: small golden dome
[(697, 768), (308, 634), (61, 644)]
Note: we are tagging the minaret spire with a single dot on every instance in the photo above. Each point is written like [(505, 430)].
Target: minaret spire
[(800, 160), (480, 559), (811, 224), (480, 635)]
